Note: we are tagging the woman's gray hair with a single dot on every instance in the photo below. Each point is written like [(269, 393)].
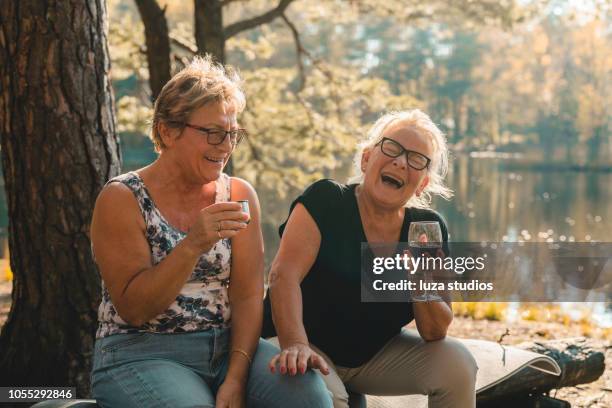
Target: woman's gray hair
[(438, 168), (202, 81)]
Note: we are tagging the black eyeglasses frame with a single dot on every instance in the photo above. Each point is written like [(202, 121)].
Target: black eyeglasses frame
[(403, 151), (242, 133)]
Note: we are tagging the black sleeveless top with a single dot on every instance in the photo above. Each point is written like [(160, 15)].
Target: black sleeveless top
[(336, 321)]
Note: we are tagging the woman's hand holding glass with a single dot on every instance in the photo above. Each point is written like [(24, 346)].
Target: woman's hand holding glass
[(425, 240), (215, 222), (296, 358)]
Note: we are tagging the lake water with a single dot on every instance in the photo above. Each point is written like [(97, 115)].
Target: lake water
[(495, 203)]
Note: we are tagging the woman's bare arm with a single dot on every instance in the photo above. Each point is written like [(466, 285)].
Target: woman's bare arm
[(296, 255), (246, 284), (139, 290), (298, 251)]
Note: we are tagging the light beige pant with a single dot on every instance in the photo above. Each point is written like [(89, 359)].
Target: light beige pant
[(443, 370)]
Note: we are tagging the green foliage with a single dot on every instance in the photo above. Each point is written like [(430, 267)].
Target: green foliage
[(490, 73), (297, 138), (126, 44), (133, 118)]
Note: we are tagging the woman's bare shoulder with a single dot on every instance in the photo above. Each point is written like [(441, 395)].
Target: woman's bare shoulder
[(116, 203), (114, 194), (242, 189)]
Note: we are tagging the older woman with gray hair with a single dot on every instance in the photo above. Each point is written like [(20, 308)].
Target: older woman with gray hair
[(182, 266), (315, 280)]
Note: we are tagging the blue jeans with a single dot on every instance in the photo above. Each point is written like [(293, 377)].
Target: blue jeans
[(186, 370)]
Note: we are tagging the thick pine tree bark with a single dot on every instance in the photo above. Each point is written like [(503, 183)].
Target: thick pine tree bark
[(58, 149)]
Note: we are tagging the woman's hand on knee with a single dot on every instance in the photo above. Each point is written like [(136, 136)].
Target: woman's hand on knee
[(296, 358)]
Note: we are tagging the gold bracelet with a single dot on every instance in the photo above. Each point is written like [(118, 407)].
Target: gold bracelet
[(244, 353)]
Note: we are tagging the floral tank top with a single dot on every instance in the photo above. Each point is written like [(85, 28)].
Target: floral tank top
[(203, 301)]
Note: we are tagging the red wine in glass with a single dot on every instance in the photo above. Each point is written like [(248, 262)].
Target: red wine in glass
[(424, 239)]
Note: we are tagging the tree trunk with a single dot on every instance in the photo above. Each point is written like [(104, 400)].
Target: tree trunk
[(158, 44), (210, 38), (58, 149), (209, 34)]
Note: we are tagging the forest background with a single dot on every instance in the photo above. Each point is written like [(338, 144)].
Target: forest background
[(522, 90)]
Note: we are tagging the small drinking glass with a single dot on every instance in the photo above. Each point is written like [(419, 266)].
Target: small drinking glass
[(245, 208)]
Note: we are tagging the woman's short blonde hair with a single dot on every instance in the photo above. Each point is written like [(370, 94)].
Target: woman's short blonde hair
[(438, 168), (202, 81)]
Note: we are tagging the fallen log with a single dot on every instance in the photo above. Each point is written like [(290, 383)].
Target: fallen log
[(540, 401), (581, 361)]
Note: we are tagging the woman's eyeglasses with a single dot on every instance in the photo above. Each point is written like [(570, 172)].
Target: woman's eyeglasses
[(217, 136), (391, 148)]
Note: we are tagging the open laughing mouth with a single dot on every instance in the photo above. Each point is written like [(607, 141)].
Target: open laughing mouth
[(391, 180), (214, 159)]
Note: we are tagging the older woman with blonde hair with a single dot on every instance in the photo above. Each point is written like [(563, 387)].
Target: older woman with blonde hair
[(182, 266), (315, 279)]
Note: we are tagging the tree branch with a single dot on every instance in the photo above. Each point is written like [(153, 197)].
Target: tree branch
[(226, 2), (302, 52), (265, 18), (299, 50), (183, 45), (254, 151), (181, 62)]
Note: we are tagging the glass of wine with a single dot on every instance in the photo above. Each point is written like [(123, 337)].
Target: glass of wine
[(425, 238)]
